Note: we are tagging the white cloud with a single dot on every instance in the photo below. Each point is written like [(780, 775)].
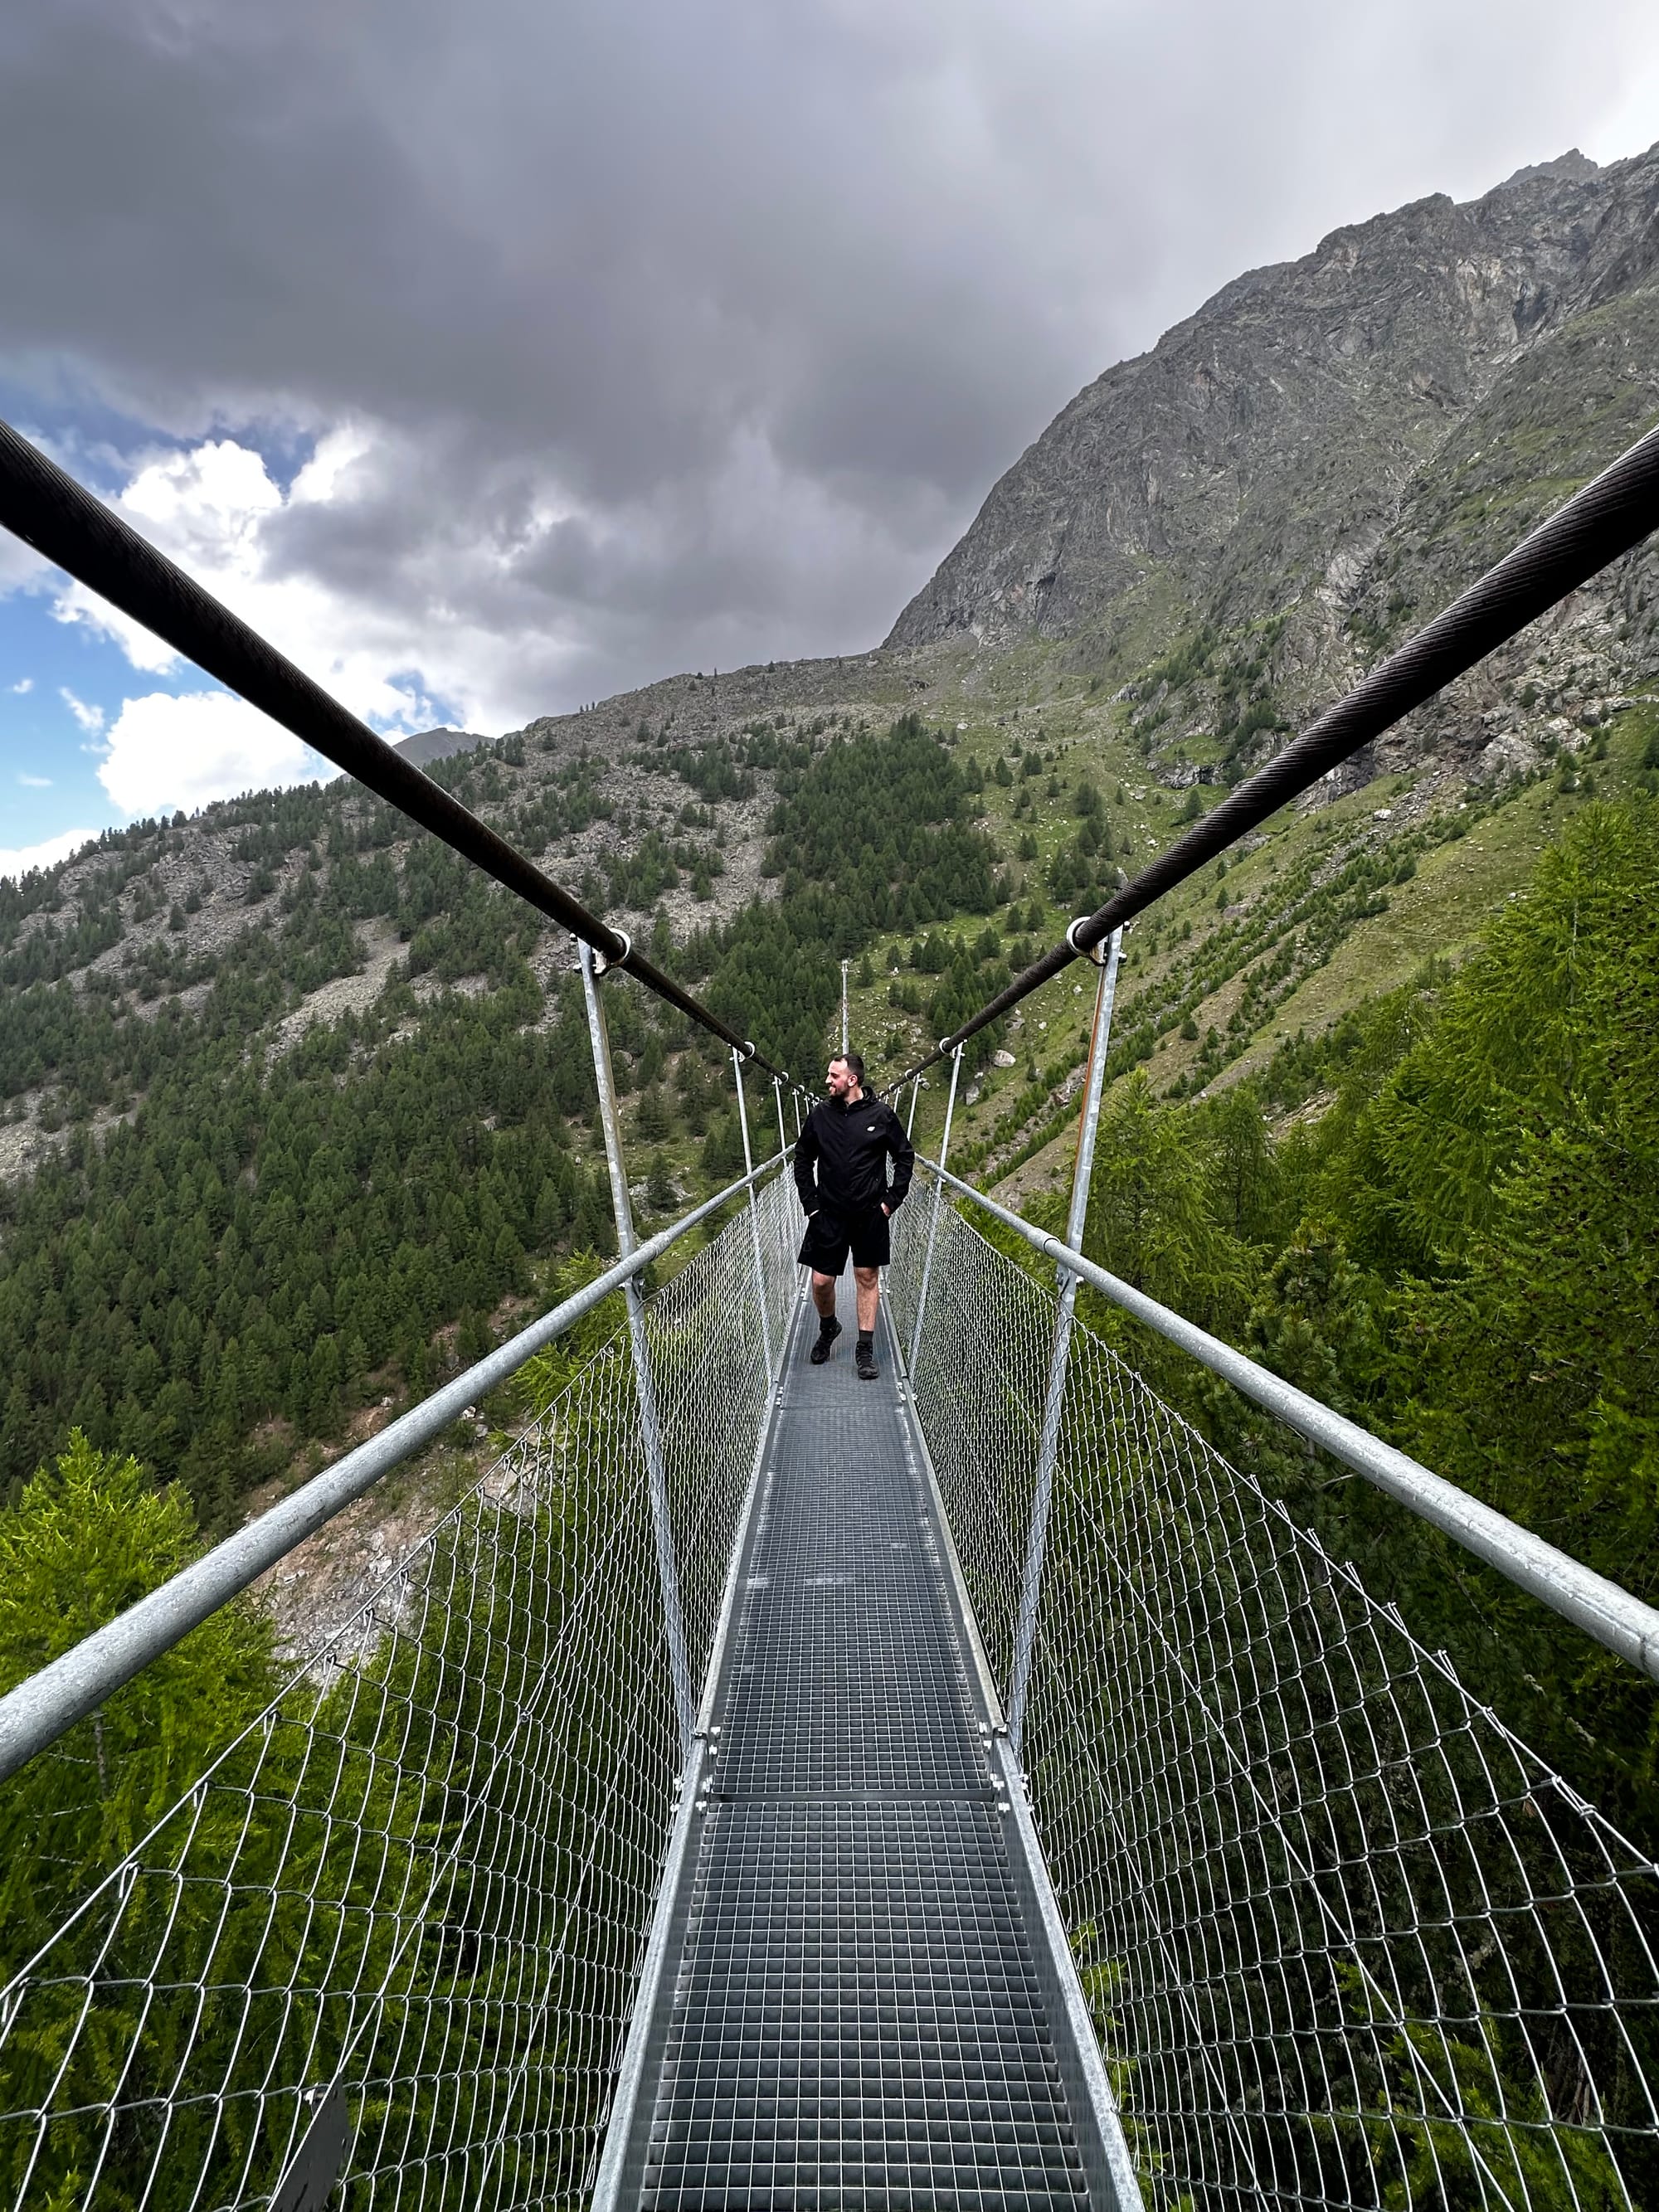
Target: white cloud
[(496, 612), (216, 510), (143, 649), (33, 782), (203, 507), (21, 569), (165, 752), (19, 859), (26, 684), (208, 500), (91, 719)]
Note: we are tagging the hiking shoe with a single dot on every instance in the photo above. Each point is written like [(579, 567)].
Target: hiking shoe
[(828, 1332), (864, 1360)]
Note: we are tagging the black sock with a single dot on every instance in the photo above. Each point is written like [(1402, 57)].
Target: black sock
[(866, 1339), (828, 1325)]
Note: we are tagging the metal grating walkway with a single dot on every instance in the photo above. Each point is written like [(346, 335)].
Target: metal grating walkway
[(856, 2016)]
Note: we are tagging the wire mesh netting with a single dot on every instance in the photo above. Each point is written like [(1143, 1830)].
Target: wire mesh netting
[(1347, 1941), (409, 1902)]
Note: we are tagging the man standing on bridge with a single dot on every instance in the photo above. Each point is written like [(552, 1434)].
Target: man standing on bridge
[(848, 1138)]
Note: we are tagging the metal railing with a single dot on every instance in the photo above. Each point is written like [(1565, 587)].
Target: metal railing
[(40, 1709), (1621, 1624), (1347, 1941), (397, 1924), (1344, 1939)]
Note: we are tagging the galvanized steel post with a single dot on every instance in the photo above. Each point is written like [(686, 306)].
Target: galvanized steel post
[(754, 1219), (633, 1298), (916, 1093), (932, 1219), (1059, 1356), (777, 1093)]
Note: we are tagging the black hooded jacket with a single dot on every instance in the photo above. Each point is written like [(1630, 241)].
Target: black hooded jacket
[(849, 1145)]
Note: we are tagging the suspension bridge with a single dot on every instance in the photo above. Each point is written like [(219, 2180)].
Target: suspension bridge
[(766, 1790)]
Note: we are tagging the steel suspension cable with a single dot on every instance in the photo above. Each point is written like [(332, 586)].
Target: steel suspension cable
[(1610, 515), (74, 529)]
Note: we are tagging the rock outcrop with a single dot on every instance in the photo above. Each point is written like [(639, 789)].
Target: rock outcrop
[(1391, 409), (429, 746)]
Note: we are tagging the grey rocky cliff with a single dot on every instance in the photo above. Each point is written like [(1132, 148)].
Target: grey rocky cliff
[(1290, 441)]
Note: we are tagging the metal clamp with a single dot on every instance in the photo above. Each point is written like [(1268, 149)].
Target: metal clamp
[(603, 965), (1096, 952)]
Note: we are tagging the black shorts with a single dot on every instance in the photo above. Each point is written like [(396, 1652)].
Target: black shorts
[(830, 1236)]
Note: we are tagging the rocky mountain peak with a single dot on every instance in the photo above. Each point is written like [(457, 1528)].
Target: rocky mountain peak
[(1572, 164), (429, 746), (1263, 458)]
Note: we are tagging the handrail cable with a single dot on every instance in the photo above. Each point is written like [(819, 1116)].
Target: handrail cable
[(43, 504), (1609, 515), (1618, 1622), (47, 1704)]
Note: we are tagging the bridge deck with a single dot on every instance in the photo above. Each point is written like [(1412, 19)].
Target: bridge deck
[(856, 2016)]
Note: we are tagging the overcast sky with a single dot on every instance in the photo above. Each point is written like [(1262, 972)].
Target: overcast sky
[(499, 357)]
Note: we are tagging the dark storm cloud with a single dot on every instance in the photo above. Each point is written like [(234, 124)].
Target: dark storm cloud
[(683, 334)]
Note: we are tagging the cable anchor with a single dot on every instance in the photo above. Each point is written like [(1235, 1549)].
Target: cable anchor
[(603, 964)]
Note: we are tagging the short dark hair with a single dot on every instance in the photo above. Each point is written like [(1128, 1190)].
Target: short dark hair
[(855, 1062)]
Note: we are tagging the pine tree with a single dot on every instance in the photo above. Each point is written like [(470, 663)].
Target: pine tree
[(89, 1535)]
